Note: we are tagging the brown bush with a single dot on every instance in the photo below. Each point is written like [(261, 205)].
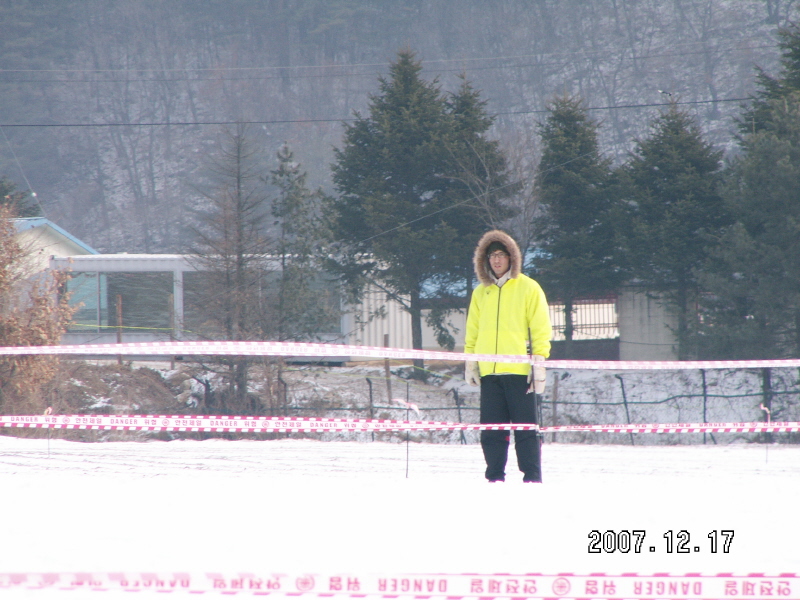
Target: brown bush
[(32, 313)]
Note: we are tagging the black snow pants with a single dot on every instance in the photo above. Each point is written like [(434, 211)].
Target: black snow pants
[(504, 399)]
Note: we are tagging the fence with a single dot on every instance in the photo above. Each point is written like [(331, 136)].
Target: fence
[(577, 397)]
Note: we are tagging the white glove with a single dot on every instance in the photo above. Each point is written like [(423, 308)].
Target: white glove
[(472, 374), (538, 375)]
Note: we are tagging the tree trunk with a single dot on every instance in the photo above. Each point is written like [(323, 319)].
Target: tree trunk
[(415, 309), (240, 385), (797, 332), (569, 328), (683, 315)]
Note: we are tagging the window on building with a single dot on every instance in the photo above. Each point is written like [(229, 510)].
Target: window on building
[(88, 291), (146, 300)]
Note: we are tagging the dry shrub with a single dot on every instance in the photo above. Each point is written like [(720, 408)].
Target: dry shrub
[(32, 313)]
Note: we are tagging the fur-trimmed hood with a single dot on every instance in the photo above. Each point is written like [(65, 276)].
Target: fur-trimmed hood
[(482, 269)]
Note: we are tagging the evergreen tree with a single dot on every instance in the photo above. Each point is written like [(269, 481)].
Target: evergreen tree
[(400, 172), (479, 172), (22, 204), (479, 185), (305, 305), (758, 114), (752, 309), (674, 212), (573, 182)]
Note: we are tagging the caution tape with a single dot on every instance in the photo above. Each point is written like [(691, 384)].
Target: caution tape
[(692, 586), (773, 426), (240, 424), (341, 351)]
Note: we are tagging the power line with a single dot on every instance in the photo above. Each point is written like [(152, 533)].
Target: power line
[(616, 52), (346, 120), (652, 105), (177, 123), (585, 55)]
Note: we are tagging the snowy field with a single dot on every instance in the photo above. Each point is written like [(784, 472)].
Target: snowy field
[(321, 507)]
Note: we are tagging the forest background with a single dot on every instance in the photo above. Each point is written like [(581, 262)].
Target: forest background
[(647, 142), (108, 107), (112, 112)]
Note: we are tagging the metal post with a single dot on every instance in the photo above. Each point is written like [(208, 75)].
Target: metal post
[(371, 406)]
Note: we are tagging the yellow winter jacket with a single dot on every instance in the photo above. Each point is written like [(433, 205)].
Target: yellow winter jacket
[(500, 318)]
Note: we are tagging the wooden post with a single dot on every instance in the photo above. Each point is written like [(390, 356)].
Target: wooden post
[(705, 401), (386, 369), (119, 325), (555, 405), (172, 328), (625, 402), (371, 405), (766, 390)]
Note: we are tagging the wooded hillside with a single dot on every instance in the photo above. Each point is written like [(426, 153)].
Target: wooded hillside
[(109, 107)]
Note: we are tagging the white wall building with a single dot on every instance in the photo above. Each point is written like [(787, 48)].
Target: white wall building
[(41, 239), (646, 327), (154, 288)]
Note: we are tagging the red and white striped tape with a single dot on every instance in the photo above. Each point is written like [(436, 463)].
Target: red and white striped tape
[(242, 424), (299, 349), (692, 586), (234, 424), (773, 426)]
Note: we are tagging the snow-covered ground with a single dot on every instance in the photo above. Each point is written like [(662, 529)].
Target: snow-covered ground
[(314, 506)]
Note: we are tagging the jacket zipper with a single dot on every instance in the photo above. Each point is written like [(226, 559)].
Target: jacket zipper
[(497, 328)]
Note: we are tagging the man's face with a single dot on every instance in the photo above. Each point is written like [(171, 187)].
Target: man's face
[(499, 261)]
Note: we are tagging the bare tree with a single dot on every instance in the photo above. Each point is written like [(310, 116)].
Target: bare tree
[(232, 254), (523, 157)]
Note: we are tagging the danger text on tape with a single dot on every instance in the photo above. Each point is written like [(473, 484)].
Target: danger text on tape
[(454, 586), (301, 349), (245, 424)]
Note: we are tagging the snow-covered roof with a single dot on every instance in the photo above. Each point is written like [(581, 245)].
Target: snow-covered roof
[(26, 224)]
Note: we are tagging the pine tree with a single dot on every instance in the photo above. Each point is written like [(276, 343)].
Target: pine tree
[(573, 182), (479, 173), (479, 176), (752, 309), (674, 212), (406, 212), (758, 114), (305, 304), (23, 204)]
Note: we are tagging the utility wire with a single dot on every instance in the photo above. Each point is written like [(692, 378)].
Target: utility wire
[(370, 74), (616, 52), (347, 120)]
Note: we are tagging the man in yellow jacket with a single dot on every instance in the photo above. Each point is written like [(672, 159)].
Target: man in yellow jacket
[(508, 314)]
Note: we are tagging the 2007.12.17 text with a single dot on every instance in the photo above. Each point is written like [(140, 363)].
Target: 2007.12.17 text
[(625, 541)]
